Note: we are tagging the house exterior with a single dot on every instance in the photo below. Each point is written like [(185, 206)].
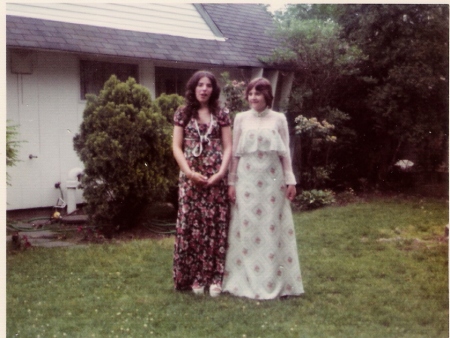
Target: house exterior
[(57, 53)]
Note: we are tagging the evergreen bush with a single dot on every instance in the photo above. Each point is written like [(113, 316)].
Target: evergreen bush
[(168, 105), (125, 145), (12, 147)]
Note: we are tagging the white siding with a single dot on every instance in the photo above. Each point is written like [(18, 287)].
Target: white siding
[(47, 108), (44, 105), (179, 19)]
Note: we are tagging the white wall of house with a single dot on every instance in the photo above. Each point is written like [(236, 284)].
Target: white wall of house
[(179, 19), (46, 106), (43, 100)]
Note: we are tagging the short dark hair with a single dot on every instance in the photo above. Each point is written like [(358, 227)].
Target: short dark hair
[(262, 85)]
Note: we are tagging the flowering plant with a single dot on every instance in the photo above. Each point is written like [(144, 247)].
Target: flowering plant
[(316, 128), (234, 94)]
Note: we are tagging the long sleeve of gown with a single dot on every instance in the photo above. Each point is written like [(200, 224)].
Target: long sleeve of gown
[(286, 161), (232, 173)]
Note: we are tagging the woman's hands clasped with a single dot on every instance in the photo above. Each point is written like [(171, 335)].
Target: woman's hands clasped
[(199, 179), (214, 179)]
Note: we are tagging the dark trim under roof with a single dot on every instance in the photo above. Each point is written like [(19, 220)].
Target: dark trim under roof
[(244, 27)]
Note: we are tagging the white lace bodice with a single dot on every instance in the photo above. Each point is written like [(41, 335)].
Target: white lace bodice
[(266, 131)]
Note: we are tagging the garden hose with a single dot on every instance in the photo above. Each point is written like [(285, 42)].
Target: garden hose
[(160, 227), (44, 226), (155, 226)]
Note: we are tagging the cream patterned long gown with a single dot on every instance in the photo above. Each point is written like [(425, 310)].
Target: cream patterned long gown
[(262, 259)]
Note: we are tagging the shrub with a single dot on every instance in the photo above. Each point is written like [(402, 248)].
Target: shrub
[(346, 197), (125, 145), (313, 199), (12, 147), (315, 148), (233, 91), (168, 104)]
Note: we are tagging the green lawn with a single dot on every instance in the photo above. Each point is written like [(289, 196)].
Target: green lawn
[(372, 269)]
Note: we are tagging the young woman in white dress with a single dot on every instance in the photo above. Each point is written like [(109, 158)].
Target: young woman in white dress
[(262, 260)]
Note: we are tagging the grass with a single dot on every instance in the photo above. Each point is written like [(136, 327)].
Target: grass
[(372, 269)]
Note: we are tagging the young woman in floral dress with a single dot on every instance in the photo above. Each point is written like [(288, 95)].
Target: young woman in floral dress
[(262, 260), (202, 149)]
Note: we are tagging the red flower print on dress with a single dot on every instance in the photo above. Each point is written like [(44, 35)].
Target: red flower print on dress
[(272, 228), (245, 251), (257, 268), (289, 260), (270, 285), (202, 220), (260, 154), (290, 232), (259, 184), (247, 194), (271, 256), (258, 212), (246, 223), (248, 166), (273, 199), (257, 240)]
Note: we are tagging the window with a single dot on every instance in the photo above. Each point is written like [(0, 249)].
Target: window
[(171, 80), (94, 74)]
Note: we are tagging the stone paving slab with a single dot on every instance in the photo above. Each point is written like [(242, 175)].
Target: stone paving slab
[(44, 234), (44, 238)]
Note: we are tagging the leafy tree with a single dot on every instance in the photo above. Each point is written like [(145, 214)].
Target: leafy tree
[(322, 62), (125, 145), (407, 93), (392, 83)]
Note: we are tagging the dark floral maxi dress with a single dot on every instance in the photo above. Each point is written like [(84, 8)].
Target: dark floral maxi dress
[(203, 212)]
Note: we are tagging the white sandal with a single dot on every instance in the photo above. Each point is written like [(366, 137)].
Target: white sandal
[(215, 290), (198, 289)]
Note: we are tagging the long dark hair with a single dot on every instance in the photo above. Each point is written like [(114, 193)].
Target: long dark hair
[(192, 105)]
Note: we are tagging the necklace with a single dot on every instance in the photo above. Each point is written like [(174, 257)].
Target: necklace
[(198, 149)]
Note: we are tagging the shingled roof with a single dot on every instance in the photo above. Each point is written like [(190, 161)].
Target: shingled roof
[(245, 27)]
